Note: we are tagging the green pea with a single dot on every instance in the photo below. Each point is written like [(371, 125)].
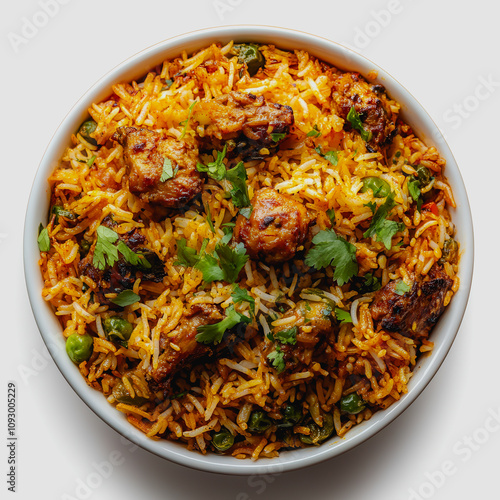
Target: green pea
[(450, 251), (319, 434), (222, 440), (380, 188), (259, 422), (292, 415), (423, 175), (251, 56), (117, 329), (86, 129), (79, 347), (122, 395), (352, 404)]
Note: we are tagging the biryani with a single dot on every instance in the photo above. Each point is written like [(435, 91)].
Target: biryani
[(247, 250)]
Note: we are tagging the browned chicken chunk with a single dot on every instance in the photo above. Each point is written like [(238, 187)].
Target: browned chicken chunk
[(369, 101), (276, 229), (145, 152), (417, 311), (184, 338), (247, 119)]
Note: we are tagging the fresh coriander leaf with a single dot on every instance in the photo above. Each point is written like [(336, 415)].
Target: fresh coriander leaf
[(330, 249), (105, 253), (242, 295), (246, 212), (414, 188), (332, 157), (380, 227), (355, 121), (213, 334), (43, 239), (91, 160), (277, 359), (314, 132), (342, 316), (169, 83), (371, 283), (209, 218), (318, 150), (401, 287), (59, 211), (277, 136), (168, 171), (210, 268), (372, 206), (228, 232), (237, 176), (215, 169), (288, 336), (186, 256), (187, 121), (131, 257), (125, 298), (231, 260), (331, 215)]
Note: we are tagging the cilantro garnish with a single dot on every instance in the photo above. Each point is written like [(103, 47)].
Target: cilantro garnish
[(212, 334), (287, 336), (331, 215), (330, 249), (43, 239), (242, 295), (91, 160), (277, 136), (106, 253), (246, 212), (342, 316), (414, 190), (401, 287), (237, 176), (231, 260), (277, 359), (125, 298), (382, 228), (215, 169), (370, 284), (168, 171), (356, 123), (210, 268), (186, 256), (185, 122), (331, 156), (314, 132)]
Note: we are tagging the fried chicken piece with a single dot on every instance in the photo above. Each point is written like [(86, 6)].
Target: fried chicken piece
[(248, 120), (145, 152), (371, 104), (414, 313), (277, 227)]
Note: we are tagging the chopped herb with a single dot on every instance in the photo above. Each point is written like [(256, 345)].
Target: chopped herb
[(169, 83), (246, 212), (185, 123), (401, 287), (330, 249), (228, 232), (125, 298), (231, 260), (43, 239), (210, 268), (355, 121), (277, 136), (215, 169), (105, 253), (371, 283), (314, 132), (382, 228), (168, 171), (179, 395), (209, 218), (277, 359), (414, 188), (91, 160), (59, 211), (186, 256), (343, 316), (372, 206), (332, 157), (331, 215), (213, 334), (288, 336), (242, 295), (131, 257), (237, 176)]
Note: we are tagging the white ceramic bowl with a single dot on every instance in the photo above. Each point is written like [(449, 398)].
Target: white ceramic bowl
[(443, 334)]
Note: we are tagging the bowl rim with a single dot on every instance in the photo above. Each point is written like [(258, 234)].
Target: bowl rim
[(49, 327)]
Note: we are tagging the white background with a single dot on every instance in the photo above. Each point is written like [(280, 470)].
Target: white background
[(442, 51)]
